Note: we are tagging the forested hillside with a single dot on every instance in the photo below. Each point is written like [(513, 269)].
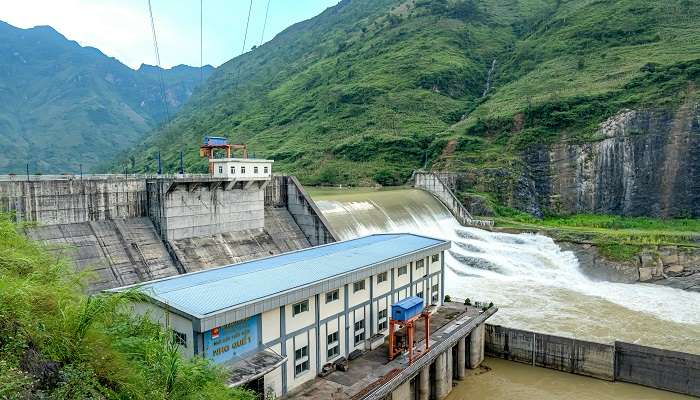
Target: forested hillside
[(370, 90), (62, 104)]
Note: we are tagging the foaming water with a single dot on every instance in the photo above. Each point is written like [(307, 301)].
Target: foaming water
[(535, 284)]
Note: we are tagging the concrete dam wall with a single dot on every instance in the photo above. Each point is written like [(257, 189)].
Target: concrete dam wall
[(657, 368), (125, 230)]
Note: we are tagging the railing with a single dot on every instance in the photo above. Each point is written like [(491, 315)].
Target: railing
[(452, 203)]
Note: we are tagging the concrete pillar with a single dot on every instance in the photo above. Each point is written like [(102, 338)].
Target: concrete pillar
[(476, 346), (402, 392), (423, 383), (440, 378), (461, 361), (450, 369)]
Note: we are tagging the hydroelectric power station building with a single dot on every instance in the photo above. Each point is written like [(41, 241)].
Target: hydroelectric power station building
[(275, 322)]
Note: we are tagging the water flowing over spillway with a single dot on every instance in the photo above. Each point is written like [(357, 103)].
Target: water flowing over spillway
[(534, 283)]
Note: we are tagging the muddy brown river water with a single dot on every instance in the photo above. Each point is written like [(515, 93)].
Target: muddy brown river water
[(536, 286)]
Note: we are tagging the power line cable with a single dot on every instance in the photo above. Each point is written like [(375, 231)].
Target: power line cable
[(160, 70), (267, 9), (245, 35)]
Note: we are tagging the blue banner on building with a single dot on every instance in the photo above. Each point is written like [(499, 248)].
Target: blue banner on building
[(225, 342)]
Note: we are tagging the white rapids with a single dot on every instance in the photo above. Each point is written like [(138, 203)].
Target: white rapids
[(534, 283)]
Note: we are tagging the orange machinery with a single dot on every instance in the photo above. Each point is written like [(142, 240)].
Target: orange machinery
[(404, 315), (213, 143)]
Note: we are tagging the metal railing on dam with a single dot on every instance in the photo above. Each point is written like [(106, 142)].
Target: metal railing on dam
[(657, 368), (433, 183)]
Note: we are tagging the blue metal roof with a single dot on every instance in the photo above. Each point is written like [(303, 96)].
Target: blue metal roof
[(408, 302), (207, 292)]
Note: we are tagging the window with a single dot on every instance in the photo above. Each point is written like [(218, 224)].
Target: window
[(436, 287), (221, 169), (436, 294), (419, 264), (359, 331), (243, 170), (333, 346), (265, 170), (301, 360), (332, 296), (180, 338), (255, 170), (419, 294), (300, 307), (332, 338), (381, 277), (403, 270), (332, 352), (435, 258), (357, 286), (381, 318), (233, 169)]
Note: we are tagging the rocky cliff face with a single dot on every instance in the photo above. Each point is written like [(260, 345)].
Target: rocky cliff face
[(647, 163)]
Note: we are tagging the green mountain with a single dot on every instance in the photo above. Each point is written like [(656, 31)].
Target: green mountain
[(510, 92), (62, 104)]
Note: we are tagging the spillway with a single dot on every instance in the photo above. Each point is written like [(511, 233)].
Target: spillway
[(536, 285)]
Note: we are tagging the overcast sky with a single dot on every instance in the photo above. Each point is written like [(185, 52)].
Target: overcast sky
[(121, 28)]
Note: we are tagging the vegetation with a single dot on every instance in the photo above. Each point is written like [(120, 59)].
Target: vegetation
[(370, 90), (58, 343), (63, 105), (618, 238)]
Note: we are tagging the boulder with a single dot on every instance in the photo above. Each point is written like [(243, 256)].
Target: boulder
[(646, 273), (673, 269)]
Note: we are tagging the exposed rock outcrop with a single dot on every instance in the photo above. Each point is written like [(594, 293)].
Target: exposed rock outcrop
[(646, 164)]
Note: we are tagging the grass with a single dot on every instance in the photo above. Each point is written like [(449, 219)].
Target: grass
[(618, 238), (368, 91), (58, 343)]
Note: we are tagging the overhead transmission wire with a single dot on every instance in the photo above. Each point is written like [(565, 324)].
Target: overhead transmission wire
[(201, 41), (262, 36), (160, 70), (245, 37)]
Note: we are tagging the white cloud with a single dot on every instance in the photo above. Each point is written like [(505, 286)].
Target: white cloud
[(119, 29)]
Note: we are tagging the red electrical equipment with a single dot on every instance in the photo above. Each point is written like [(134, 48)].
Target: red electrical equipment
[(396, 347)]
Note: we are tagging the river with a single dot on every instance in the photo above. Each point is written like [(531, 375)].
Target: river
[(535, 284)]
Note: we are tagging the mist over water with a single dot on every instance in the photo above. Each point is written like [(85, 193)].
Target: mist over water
[(534, 283)]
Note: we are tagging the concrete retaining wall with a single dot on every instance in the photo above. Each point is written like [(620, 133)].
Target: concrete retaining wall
[(660, 369), (180, 211), (564, 354), (648, 366), (67, 200), (286, 191)]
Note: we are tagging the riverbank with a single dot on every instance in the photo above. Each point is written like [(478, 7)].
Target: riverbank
[(621, 249)]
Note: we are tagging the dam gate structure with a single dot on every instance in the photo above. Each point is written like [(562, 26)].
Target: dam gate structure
[(135, 228)]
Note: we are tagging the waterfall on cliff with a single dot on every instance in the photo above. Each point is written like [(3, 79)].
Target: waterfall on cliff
[(535, 284)]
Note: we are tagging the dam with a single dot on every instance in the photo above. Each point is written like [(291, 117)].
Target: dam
[(128, 230), (536, 285)]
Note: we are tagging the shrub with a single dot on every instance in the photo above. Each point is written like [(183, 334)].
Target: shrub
[(448, 298)]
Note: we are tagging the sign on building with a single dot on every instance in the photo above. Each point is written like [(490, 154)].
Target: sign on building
[(225, 342)]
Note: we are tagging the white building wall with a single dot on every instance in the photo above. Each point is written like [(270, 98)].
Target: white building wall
[(242, 168), (359, 297), (270, 321), (294, 323), (332, 308), (169, 320)]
